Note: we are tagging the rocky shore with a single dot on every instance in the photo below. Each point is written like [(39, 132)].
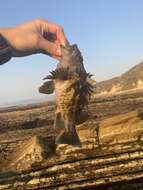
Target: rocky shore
[(111, 156)]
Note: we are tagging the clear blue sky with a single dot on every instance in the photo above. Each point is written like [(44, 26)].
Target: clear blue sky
[(108, 32)]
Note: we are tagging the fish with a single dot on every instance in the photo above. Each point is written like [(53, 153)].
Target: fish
[(72, 87)]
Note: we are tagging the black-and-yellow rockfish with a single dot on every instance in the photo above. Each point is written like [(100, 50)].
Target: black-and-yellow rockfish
[(72, 88)]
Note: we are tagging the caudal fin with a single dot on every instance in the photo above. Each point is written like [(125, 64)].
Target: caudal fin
[(68, 137)]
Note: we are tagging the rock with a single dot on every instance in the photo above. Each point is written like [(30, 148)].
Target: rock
[(29, 153), (123, 127)]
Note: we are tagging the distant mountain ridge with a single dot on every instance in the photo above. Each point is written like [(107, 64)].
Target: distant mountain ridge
[(25, 102), (132, 79)]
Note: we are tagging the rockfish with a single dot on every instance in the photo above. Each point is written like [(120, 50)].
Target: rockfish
[(72, 87)]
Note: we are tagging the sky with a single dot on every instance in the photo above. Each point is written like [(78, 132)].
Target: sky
[(109, 34)]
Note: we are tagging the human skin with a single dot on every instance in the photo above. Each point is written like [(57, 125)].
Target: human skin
[(38, 36)]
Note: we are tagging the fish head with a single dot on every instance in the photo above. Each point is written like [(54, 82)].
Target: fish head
[(71, 57)]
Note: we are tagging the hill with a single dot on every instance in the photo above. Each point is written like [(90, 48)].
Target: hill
[(132, 79)]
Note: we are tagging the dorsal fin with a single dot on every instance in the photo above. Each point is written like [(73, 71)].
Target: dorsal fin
[(59, 73)]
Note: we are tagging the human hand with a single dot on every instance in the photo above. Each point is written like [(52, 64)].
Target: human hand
[(38, 36)]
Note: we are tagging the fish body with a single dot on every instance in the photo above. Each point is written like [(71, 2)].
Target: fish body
[(72, 90)]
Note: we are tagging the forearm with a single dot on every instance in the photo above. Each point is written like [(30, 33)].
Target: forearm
[(5, 50)]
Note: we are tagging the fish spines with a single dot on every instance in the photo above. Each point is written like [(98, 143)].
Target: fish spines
[(59, 73), (85, 93)]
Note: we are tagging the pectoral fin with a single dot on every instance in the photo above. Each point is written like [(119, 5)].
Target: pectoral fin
[(47, 88)]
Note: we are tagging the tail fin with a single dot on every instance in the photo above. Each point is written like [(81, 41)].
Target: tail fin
[(68, 137)]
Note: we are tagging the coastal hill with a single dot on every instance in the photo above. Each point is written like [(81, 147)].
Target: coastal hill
[(132, 79)]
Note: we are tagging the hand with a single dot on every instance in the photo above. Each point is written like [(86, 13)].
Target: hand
[(39, 36)]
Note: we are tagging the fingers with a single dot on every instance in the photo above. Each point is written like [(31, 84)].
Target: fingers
[(48, 27), (61, 37), (59, 32), (49, 48)]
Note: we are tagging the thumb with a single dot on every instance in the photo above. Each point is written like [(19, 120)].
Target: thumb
[(49, 48)]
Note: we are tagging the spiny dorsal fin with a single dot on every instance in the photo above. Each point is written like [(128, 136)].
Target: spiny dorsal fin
[(85, 94), (59, 73), (89, 75)]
